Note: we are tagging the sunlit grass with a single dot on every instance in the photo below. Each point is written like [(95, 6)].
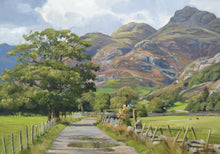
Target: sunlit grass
[(177, 106), (13, 124), (201, 126)]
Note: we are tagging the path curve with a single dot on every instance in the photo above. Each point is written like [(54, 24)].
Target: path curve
[(85, 129)]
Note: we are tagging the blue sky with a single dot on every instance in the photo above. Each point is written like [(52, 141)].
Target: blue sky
[(18, 17)]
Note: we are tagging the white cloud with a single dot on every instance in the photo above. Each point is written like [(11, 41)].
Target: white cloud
[(68, 13), (13, 35), (83, 16)]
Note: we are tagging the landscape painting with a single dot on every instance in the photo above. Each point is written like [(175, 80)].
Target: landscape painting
[(109, 76)]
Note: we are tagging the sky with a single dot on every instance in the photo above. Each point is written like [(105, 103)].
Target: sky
[(18, 17)]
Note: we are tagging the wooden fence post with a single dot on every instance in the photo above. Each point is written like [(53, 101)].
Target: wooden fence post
[(20, 141), (154, 133), (187, 129), (194, 134), (42, 129), (39, 127), (134, 115), (161, 131), (169, 131), (148, 129), (207, 140), (35, 131), (12, 144), (45, 126), (142, 130), (4, 145), (177, 136), (26, 135), (32, 134)]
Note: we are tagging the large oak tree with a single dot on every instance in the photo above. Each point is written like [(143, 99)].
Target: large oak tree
[(53, 63)]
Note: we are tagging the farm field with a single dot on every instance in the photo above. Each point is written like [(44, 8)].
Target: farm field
[(201, 126), (14, 124)]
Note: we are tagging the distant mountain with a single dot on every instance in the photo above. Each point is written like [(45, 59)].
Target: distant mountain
[(190, 34), (6, 62), (133, 33), (106, 48)]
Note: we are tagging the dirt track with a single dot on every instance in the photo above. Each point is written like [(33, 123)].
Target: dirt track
[(85, 133)]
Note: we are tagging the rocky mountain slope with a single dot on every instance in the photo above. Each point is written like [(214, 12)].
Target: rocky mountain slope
[(157, 57), (201, 73)]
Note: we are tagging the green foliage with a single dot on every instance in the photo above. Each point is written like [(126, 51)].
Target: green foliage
[(88, 100), (102, 101), (53, 71), (128, 93), (210, 103), (205, 94), (156, 105), (217, 106), (141, 110), (117, 102), (211, 73)]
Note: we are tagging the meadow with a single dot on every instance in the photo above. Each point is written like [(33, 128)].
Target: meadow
[(14, 124), (201, 125)]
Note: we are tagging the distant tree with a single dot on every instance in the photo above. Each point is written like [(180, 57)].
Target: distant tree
[(117, 102), (88, 100), (128, 93), (141, 110), (102, 101), (53, 64), (217, 106), (205, 94), (156, 105)]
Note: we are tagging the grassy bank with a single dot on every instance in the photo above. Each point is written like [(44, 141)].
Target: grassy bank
[(119, 133)]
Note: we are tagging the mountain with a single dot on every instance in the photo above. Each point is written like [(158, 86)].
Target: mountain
[(105, 49), (6, 62), (162, 56), (133, 33)]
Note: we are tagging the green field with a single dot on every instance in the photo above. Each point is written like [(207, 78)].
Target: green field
[(178, 107), (176, 123), (14, 124)]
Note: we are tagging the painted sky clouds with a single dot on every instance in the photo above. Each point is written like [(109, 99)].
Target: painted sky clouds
[(18, 17)]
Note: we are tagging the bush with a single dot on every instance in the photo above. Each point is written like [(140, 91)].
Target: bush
[(141, 110)]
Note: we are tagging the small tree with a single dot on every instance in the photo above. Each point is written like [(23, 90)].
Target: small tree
[(117, 102), (205, 94), (102, 101), (128, 93), (156, 105)]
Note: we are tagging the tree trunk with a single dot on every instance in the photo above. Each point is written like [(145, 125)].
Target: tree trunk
[(49, 112), (56, 114)]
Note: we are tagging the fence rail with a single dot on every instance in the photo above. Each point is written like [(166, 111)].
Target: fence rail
[(16, 142)]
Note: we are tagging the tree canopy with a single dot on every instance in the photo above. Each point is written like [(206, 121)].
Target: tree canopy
[(54, 69), (128, 94)]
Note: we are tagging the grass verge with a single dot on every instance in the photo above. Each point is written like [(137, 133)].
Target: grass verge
[(120, 133), (42, 144)]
